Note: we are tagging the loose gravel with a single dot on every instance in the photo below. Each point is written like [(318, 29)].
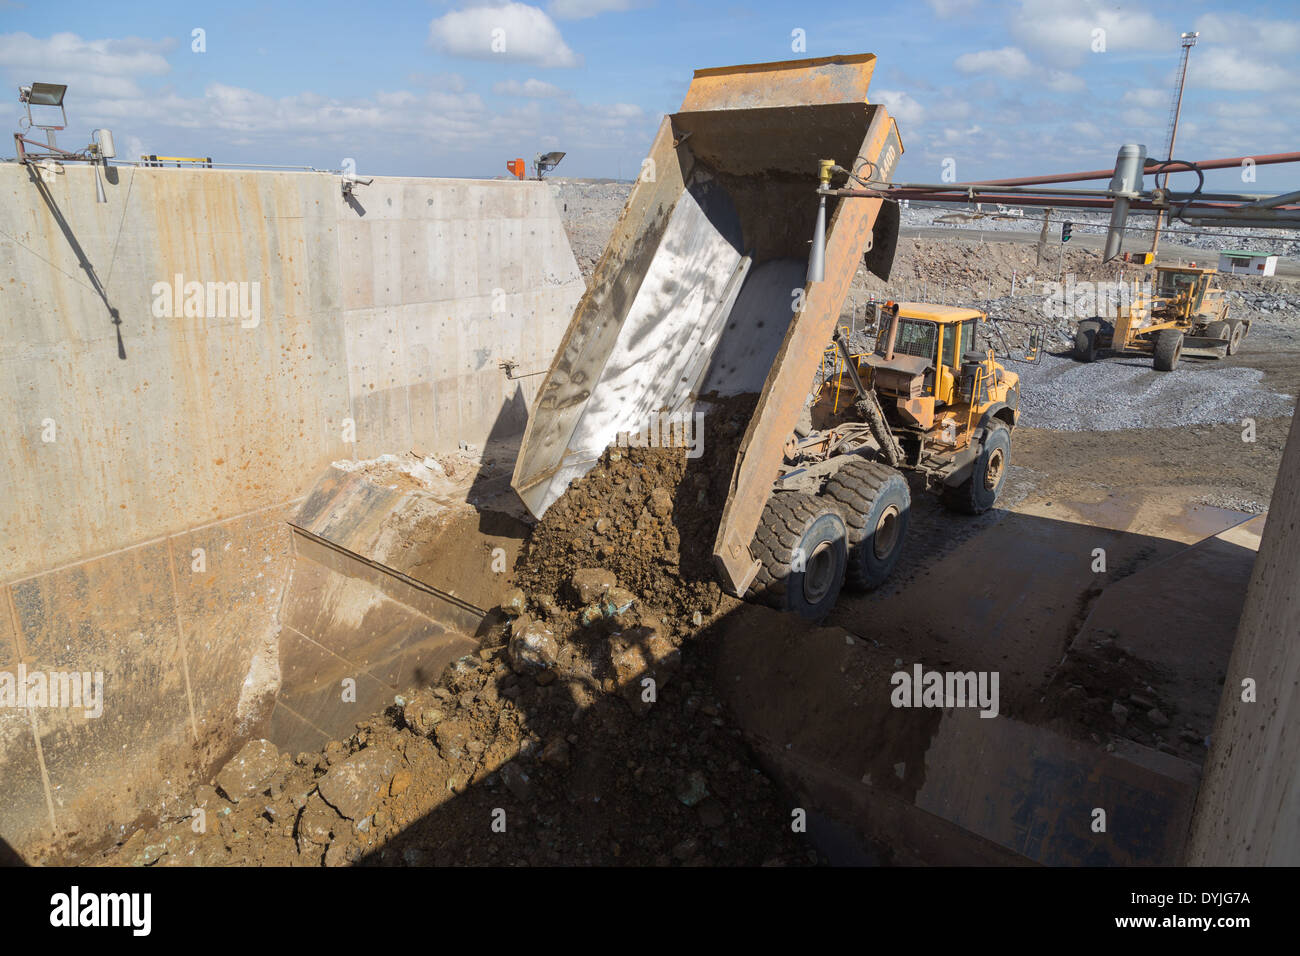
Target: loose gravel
[(1126, 392)]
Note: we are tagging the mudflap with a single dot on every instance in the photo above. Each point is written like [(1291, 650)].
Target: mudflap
[(964, 460), (879, 259)]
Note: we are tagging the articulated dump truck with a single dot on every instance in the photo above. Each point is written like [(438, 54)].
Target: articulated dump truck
[(725, 276)]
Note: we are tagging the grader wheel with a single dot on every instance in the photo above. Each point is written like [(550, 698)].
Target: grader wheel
[(1168, 350)]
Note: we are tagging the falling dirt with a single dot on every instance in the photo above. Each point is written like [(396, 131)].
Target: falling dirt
[(650, 516)]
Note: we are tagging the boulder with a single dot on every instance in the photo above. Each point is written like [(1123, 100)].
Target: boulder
[(250, 771), (591, 584), (354, 787), (532, 647)]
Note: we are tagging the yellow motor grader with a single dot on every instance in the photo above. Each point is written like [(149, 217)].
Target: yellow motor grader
[(1184, 315)]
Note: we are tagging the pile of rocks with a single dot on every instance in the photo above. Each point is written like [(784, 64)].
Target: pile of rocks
[(580, 718)]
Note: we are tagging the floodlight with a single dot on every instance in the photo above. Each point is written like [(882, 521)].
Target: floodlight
[(545, 162), (45, 94)]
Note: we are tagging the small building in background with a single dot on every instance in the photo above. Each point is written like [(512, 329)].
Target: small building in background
[(1247, 263)]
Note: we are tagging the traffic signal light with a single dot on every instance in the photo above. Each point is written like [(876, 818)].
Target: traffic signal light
[(1065, 231)]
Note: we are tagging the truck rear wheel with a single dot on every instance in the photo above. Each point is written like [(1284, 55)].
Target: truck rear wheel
[(979, 492), (876, 505), (802, 543), (1168, 350)]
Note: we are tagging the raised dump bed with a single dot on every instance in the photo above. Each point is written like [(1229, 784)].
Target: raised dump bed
[(703, 289)]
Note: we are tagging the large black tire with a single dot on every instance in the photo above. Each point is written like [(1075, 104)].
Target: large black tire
[(1168, 350), (802, 543), (876, 505), (979, 492), (1236, 332), (1085, 343)]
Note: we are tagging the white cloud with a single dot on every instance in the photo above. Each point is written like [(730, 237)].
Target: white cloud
[(1147, 98), (530, 88), (98, 68), (1067, 29), (1009, 61), (1085, 130), (126, 57), (945, 9), (1280, 37), (581, 9), (1141, 118), (450, 82), (962, 137), (1226, 68), (1061, 82), (901, 106), (511, 31)]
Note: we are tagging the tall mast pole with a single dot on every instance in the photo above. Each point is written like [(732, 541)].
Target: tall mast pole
[(1188, 41)]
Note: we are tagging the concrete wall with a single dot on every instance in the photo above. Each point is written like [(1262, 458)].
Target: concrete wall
[(1248, 809), (130, 439)]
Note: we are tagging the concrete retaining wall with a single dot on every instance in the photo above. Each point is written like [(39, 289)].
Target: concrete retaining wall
[(1248, 809), (149, 460)]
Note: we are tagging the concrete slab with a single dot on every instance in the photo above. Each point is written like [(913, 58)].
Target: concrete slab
[(906, 779), (1009, 592)]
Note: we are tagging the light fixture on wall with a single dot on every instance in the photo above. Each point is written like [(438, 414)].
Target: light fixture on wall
[(44, 94), (545, 162)]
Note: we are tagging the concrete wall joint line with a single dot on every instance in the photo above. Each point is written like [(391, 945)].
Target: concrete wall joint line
[(292, 502)]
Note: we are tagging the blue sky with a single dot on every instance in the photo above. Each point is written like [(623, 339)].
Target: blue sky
[(413, 88)]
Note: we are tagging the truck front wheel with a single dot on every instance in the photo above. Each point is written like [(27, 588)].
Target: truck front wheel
[(979, 492)]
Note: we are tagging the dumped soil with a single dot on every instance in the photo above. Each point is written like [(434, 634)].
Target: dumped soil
[(495, 767), (1100, 692), (585, 714), (650, 516)]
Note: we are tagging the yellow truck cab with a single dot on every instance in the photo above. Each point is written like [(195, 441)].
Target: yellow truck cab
[(928, 361)]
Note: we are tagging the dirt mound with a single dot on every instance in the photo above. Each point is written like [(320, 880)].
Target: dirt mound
[(1101, 691), (585, 713), (502, 763)]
